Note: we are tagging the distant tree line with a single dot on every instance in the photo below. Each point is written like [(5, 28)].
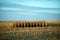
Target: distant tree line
[(29, 24), (33, 24)]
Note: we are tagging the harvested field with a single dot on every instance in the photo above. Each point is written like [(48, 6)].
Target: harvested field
[(8, 32)]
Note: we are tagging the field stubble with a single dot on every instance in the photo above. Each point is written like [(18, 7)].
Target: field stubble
[(7, 32)]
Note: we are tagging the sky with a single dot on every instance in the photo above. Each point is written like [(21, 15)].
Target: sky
[(29, 10)]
